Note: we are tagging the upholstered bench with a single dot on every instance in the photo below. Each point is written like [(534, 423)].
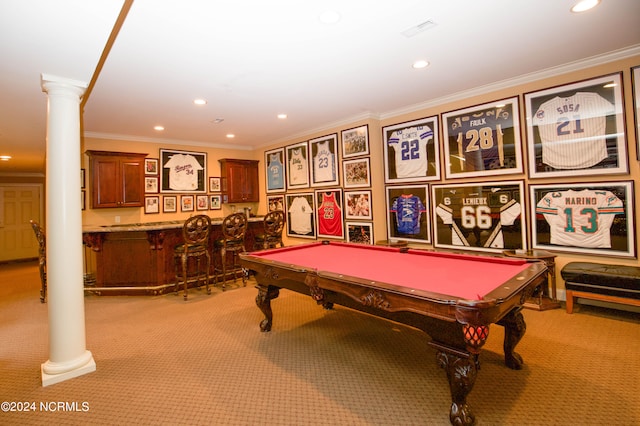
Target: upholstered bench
[(597, 281)]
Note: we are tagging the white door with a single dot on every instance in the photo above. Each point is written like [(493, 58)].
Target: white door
[(19, 204)]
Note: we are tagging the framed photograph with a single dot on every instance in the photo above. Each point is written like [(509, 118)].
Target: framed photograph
[(215, 202), (169, 204), (483, 140), (82, 179), (183, 171), (355, 142), (186, 203), (151, 204), (275, 170), (214, 184), (356, 173), (83, 200), (577, 129), (202, 202), (297, 165), (301, 215), (323, 153), (483, 216), (411, 151), (635, 79), (275, 202), (151, 166), (408, 213), (589, 218), (360, 232), (357, 205), (329, 213), (150, 184)]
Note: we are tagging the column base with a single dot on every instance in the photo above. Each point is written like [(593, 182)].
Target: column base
[(87, 365)]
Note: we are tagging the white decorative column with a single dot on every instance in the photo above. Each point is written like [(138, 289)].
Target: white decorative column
[(68, 356)]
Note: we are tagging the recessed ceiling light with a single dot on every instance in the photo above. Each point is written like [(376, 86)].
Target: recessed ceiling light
[(230, 135), (218, 120), (420, 64), (609, 85), (158, 128), (5, 157), (584, 5), (199, 101), (282, 116), (329, 17)]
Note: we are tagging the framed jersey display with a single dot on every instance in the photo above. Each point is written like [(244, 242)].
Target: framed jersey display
[(275, 170), (298, 165), (407, 213), (411, 151), (355, 142), (483, 140), (329, 213), (577, 129), (590, 218), (323, 153), (483, 216), (183, 171), (301, 215), (360, 232)]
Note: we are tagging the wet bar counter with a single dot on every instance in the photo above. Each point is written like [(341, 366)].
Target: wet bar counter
[(137, 259)]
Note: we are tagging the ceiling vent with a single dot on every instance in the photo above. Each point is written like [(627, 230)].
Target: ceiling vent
[(426, 25)]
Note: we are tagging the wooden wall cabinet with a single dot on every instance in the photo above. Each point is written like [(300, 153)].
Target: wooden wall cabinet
[(239, 179), (116, 179)]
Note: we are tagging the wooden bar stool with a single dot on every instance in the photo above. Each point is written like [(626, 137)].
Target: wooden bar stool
[(234, 229), (195, 232), (272, 236), (42, 258)]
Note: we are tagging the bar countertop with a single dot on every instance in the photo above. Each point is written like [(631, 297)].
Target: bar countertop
[(150, 226)]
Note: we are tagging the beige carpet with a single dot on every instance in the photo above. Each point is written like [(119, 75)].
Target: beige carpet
[(161, 360)]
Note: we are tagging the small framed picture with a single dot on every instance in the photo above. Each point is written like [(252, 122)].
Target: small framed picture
[(355, 142), (151, 166), (356, 173), (408, 213), (590, 218), (82, 179), (186, 203), (275, 170), (357, 205), (275, 202), (483, 140), (324, 160), (150, 184), (411, 151), (301, 215), (635, 78), (297, 159), (169, 204), (202, 202), (83, 200), (151, 204), (214, 184), (483, 216), (329, 213), (360, 232), (577, 129), (215, 202)]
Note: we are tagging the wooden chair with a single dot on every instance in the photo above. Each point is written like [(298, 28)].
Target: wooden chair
[(234, 229), (273, 226), (195, 233), (42, 258)]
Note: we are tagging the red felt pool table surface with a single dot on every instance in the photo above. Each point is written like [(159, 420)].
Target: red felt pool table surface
[(457, 275)]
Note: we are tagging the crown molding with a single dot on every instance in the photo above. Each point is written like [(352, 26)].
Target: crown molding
[(119, 137)]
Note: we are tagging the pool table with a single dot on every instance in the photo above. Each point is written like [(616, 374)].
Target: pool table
[(452, 297)]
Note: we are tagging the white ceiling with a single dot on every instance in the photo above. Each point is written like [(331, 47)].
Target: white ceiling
[(253, 59)]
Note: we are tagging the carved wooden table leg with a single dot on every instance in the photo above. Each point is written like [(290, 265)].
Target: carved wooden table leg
[(514, 329), (263, 300), (462, 371)]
